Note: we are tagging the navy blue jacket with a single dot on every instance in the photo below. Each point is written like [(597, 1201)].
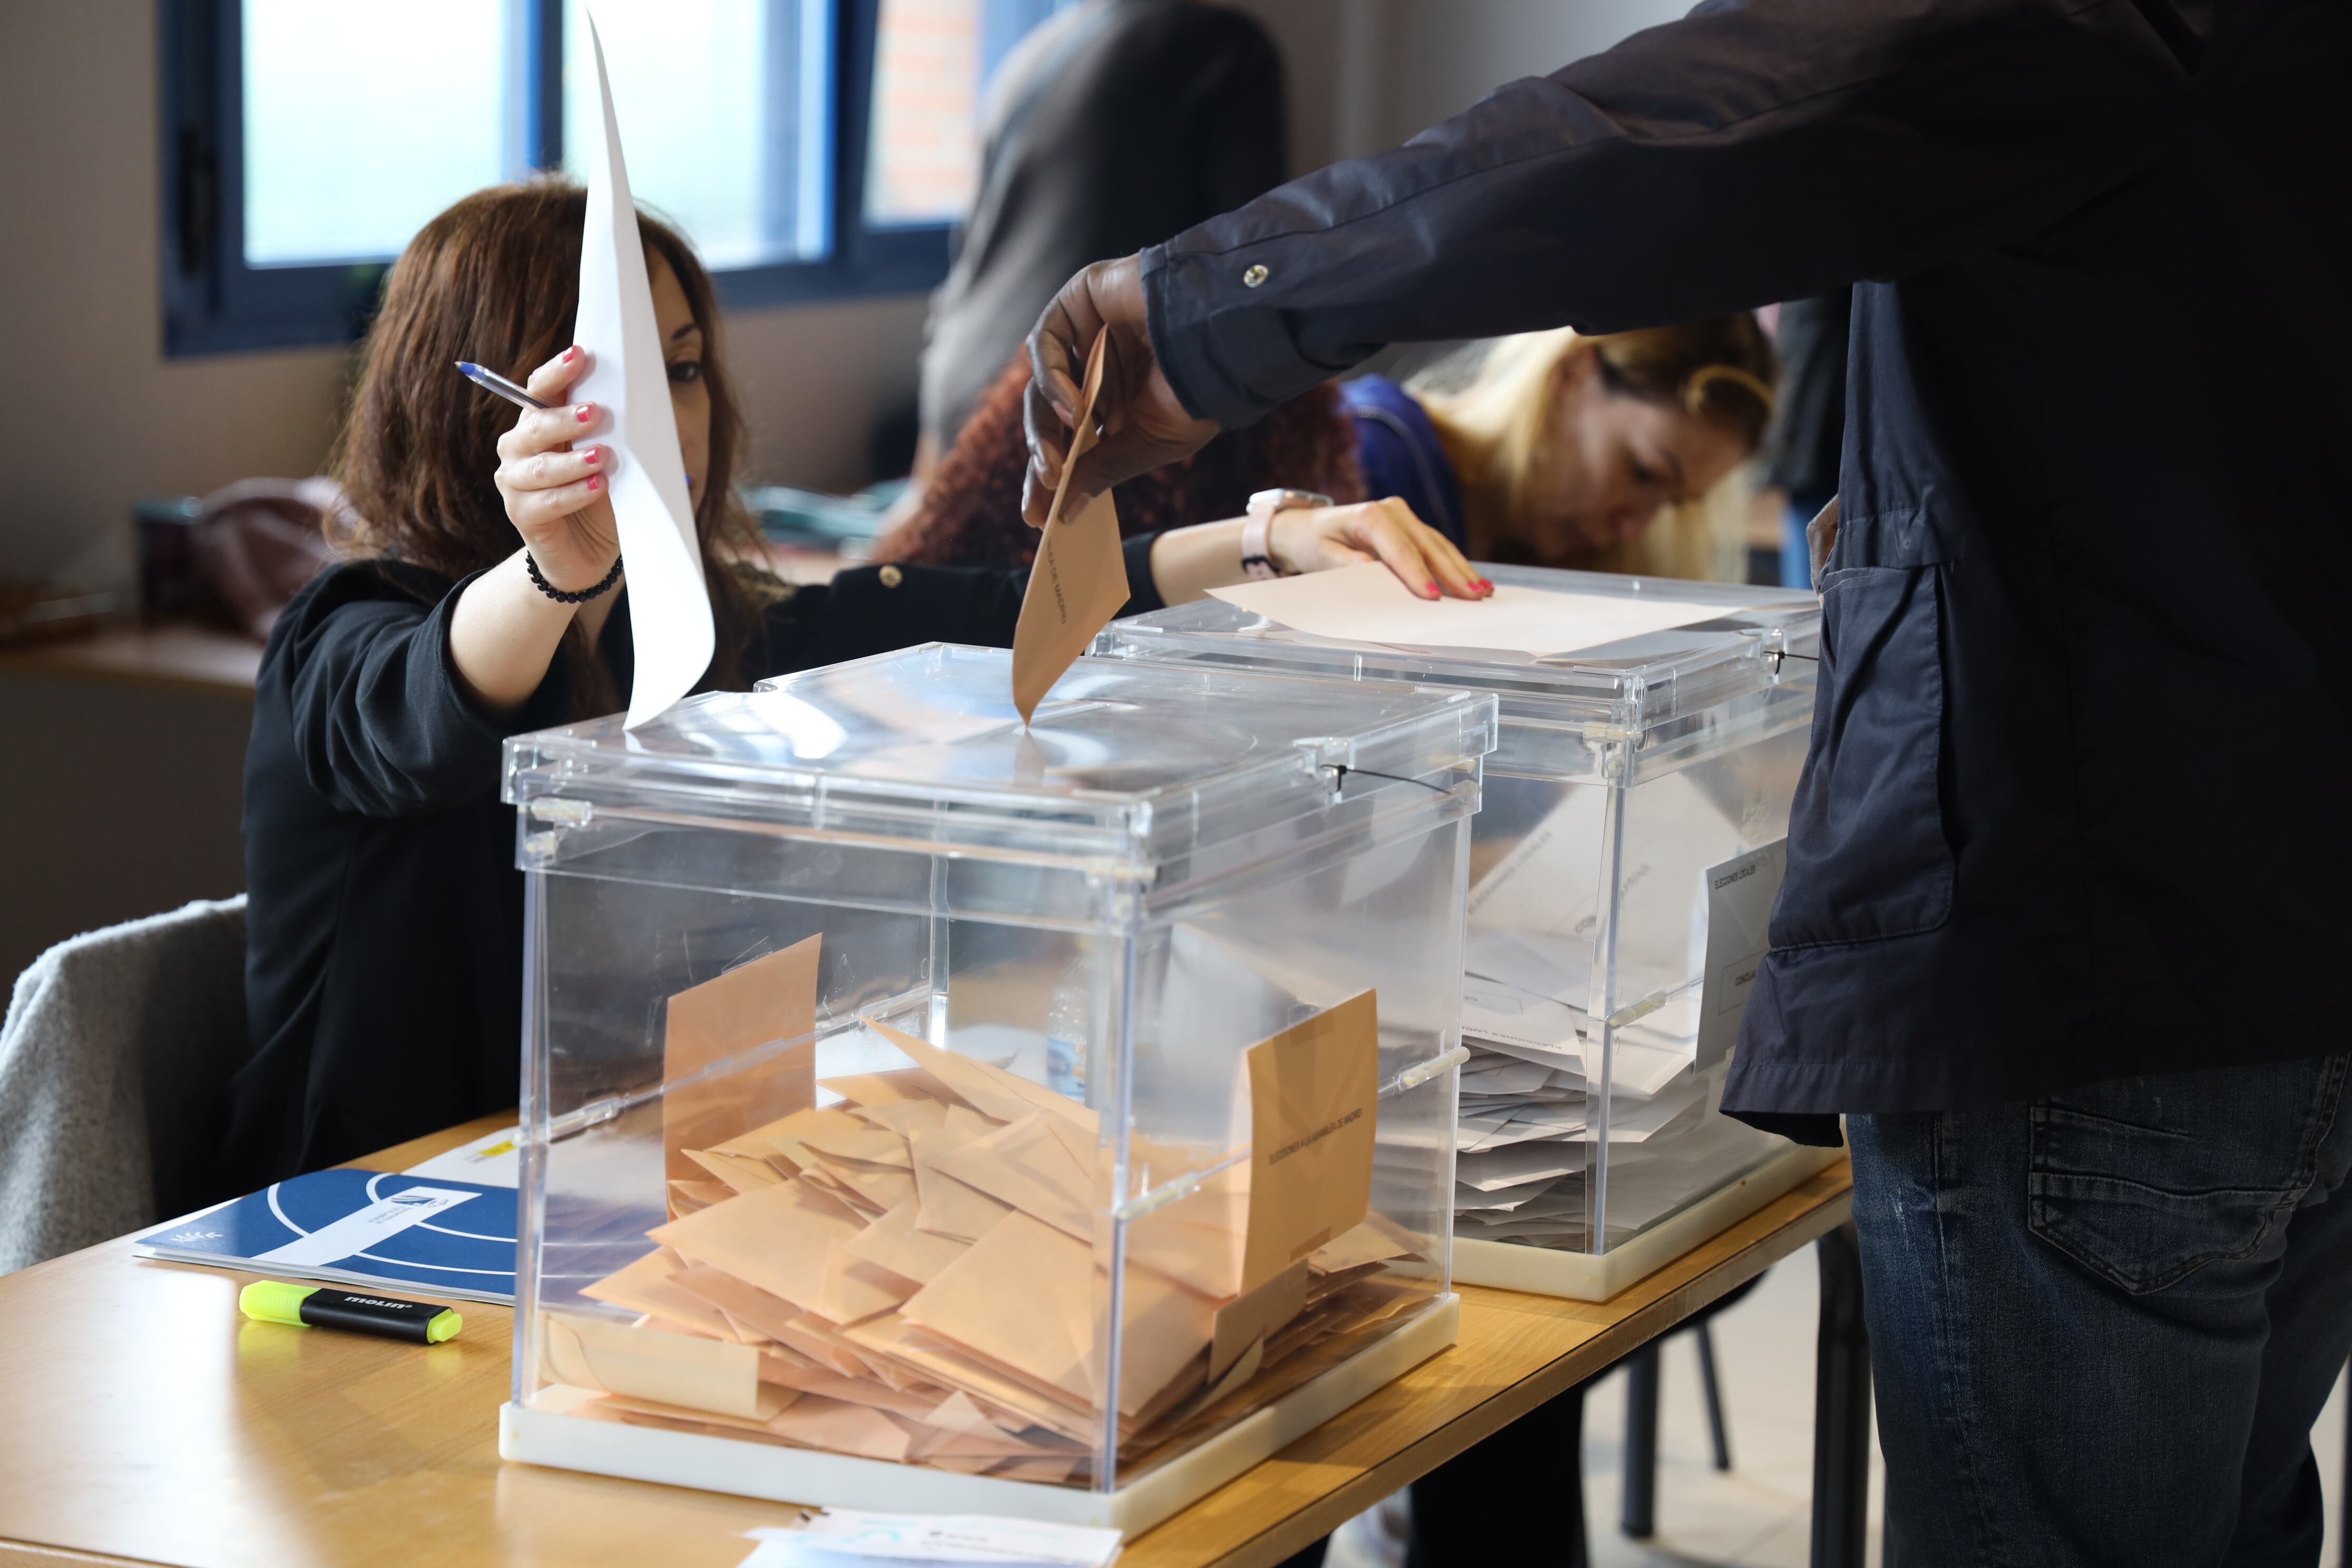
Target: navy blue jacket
[(2075, 808)]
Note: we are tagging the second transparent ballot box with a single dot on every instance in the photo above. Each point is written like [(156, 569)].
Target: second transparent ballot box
[(1622, 870), (925, 1110)]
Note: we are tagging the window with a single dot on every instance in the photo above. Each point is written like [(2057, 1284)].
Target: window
[(811, 149), (931, 69)]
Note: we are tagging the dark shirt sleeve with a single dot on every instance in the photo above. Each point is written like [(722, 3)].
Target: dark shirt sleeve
[(379, 721), (877, 609), (1758, 150)]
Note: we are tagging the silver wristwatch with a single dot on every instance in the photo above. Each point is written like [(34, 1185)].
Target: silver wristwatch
[(1258, 533)]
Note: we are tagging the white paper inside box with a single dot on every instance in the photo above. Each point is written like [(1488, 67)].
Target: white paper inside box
[(1623, 864)]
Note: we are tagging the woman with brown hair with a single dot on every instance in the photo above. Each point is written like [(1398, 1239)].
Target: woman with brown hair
[(970, 514), (383, 979)]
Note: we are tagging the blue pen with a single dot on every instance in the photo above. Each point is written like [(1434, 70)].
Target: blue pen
[(491, 381)]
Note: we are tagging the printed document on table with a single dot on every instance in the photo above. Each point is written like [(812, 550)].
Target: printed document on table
[(1367, 602)]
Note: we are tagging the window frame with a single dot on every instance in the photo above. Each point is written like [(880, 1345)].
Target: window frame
[(214, 303)]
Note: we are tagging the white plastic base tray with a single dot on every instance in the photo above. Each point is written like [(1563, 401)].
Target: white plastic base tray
[(547, 1437), (1596, 1277)]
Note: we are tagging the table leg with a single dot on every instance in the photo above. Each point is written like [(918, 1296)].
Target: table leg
[(1637, 1513), (1711, 1386), (1841, 1409)]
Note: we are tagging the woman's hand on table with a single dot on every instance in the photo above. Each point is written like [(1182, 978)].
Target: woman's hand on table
[(1322, 538), (1186, 562)]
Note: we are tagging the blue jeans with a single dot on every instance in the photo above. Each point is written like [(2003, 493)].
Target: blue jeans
[(2101, 1324)]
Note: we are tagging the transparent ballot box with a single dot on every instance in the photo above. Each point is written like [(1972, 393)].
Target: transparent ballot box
[(1623, 868), (929, 1111)]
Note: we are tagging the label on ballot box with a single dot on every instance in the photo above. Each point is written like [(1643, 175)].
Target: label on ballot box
[(1739, 896)]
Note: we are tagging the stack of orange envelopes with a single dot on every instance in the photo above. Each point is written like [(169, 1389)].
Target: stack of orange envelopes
[(918, 1274)]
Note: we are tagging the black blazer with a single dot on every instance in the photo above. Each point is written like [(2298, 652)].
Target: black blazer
[(2074, 804), (383, 916)]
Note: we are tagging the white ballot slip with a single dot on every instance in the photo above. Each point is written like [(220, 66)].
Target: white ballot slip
[(895, 1538), (669, 603), (1368, 603)]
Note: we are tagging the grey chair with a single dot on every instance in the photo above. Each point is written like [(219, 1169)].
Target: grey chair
[(113, 1055)]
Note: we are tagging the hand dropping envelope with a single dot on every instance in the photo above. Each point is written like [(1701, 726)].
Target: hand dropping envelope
[(1079, 580), (669, 603)]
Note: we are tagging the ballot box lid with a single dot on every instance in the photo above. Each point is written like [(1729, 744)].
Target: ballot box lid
[(923, 749), (1724, 642)]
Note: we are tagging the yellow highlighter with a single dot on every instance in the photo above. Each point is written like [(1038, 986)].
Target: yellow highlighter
[(311, 1305)]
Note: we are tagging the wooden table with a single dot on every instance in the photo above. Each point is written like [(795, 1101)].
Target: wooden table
[(147, 1422)]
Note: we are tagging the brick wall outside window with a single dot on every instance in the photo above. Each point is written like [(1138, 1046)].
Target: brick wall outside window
[(925, 158)]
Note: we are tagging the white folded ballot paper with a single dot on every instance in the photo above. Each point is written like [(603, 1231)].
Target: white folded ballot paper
[(1368, 603), (669, 603)]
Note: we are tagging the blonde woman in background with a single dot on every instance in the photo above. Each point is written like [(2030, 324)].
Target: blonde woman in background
[(1626, 452)]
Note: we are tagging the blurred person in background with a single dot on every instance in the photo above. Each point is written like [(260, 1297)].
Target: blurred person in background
[(1617, 453), (1621, 453), (1113, 124), (970, 512)]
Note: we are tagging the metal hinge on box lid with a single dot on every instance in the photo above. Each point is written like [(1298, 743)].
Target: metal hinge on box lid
[(538, 849)]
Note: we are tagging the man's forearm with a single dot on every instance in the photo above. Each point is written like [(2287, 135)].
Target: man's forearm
[(1757, 152)]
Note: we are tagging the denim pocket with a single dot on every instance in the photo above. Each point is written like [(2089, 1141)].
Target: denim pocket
[(1868, 857), (2145, 1180)]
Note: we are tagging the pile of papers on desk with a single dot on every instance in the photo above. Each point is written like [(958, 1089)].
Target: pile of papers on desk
[(910, 1275)]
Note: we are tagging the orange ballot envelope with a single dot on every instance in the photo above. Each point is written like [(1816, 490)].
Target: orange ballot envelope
[(772, 999), (1079, 580), (915, 1273)]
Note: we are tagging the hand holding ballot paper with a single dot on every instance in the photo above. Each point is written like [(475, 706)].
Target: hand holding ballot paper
[(669, 603), (1079, 580)]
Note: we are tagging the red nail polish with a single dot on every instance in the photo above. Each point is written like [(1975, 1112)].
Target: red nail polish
[(584, 413), (592, 456), (571, 353), (1433, 590), (595, 482)]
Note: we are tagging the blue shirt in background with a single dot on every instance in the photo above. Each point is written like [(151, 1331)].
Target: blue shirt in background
[(1397, 448)]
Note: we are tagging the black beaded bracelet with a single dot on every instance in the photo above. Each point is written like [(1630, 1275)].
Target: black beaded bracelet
[(559, 596)]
